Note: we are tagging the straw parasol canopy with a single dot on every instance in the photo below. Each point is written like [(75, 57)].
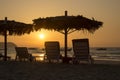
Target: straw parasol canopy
[(67, 24), (11, 27)]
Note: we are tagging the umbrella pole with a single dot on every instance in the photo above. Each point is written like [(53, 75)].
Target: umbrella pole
[(65, 58), (65, 43), (5, 46)]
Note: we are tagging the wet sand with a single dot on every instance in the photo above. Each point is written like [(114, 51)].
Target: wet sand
[(14, 70)]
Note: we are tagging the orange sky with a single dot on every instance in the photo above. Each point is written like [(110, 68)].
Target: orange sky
[(107, 11)]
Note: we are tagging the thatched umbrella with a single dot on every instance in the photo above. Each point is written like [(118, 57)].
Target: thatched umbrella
[(10, 27), (67, 24)]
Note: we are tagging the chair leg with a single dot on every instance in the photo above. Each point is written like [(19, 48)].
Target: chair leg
[(75, 61), (91, 61), (16, 58)]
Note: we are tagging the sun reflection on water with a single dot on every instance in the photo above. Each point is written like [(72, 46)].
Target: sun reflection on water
[(39, 57)]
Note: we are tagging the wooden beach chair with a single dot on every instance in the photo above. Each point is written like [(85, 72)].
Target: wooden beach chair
[(52, 49), (81, 51), (22, 54)]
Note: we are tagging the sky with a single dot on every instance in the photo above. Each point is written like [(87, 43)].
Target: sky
[(107, 11)]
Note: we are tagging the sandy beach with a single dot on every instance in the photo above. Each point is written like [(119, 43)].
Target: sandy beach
[(14, 70)]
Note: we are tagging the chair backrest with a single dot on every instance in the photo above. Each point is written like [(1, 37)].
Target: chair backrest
[(81, 48), (52, 49), (22, 52)]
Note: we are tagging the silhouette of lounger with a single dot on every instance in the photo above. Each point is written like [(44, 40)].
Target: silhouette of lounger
[(81, 51), (52, 49), (22, 54)]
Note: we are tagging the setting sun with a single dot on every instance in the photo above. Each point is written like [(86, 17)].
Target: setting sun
[(41, 36)]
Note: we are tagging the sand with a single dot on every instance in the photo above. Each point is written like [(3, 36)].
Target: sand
[(14, 70)]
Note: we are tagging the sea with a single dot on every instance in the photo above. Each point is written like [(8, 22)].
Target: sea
[(98, 53)]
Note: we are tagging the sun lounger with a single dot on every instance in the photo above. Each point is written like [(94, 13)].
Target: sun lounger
[(22, 54), (52, 49), (81, 51)]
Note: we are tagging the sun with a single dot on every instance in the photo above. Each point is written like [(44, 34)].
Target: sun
[(41, 36)]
